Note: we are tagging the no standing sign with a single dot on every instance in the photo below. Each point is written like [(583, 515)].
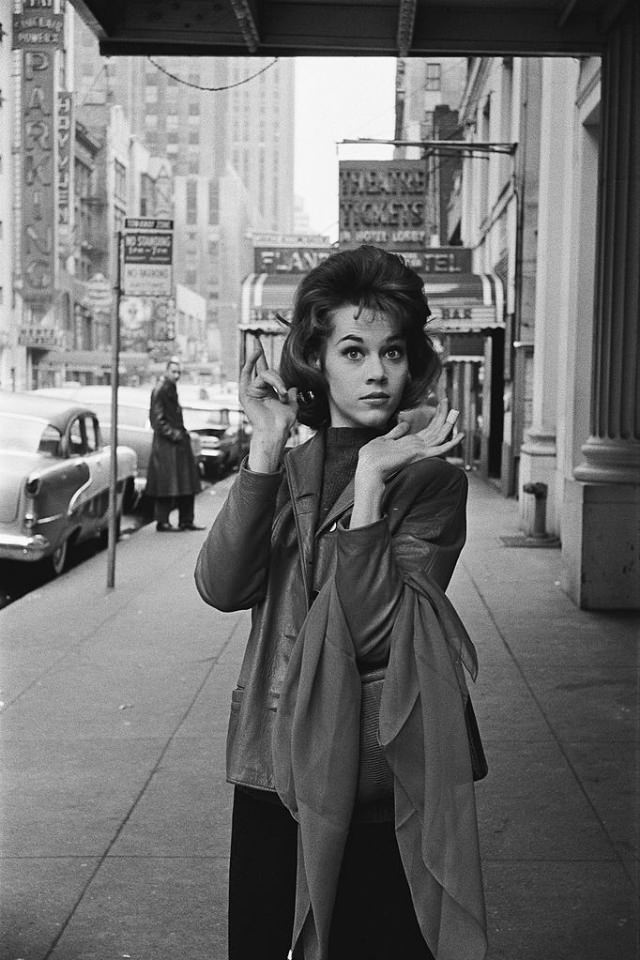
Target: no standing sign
[(147, 257)]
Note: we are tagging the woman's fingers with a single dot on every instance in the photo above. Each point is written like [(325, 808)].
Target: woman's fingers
[(440, 449), (275, 381), (400, 430)]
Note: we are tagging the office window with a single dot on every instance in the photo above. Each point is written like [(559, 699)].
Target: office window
[(433, 76), (151, 94)]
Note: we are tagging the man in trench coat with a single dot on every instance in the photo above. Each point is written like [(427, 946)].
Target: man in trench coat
[(172, 477)]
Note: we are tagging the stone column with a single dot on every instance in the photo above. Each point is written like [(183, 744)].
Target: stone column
[(538, 452), (604, 508)]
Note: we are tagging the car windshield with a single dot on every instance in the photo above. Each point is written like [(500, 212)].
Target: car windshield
[(27, 434), (201, 419)]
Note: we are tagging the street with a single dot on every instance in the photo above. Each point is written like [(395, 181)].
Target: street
[(115, 806), (18, 579)]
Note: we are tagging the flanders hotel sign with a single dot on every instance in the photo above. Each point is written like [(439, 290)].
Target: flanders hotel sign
[(383, 203), (38, 33)]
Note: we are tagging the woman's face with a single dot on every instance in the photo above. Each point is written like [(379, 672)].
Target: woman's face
[(365, 364)]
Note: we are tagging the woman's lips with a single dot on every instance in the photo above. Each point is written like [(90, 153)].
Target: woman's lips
[(376, 400)]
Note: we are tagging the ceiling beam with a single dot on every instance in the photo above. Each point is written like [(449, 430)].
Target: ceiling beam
[(406, 20), (247, 24)]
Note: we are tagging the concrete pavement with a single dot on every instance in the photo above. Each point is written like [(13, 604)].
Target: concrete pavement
[(115, 813)]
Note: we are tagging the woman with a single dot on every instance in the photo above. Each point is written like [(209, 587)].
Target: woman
[(343, 547)]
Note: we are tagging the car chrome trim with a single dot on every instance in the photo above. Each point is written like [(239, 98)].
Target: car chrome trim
[(16, 547), (73, 502)]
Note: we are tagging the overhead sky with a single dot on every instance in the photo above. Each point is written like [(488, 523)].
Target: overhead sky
[(338, 98)]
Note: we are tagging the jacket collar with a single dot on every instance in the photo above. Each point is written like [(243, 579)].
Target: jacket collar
[(305, 465)]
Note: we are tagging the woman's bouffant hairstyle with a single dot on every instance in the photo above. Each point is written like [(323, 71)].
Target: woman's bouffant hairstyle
[(369, 278)]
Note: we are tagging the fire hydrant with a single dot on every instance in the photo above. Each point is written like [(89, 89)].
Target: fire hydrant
[(539, 491)]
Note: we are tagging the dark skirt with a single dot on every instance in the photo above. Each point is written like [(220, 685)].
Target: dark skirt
[(373, 917)]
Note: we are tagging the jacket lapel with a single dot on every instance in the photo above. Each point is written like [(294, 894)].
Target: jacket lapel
[(342, 504), (304, 467)]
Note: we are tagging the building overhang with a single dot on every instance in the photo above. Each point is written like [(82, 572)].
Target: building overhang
[(350, 27), (459, 302)]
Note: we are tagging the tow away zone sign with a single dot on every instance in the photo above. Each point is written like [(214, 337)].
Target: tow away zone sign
[(147, 257)]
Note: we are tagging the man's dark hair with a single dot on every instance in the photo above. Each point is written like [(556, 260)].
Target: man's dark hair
[(369, 278)]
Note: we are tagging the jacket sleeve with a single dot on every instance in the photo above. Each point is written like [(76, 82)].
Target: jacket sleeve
[(373, 562), (231, 570), (160, 421)]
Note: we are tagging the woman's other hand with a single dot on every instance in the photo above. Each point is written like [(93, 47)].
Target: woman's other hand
[(382, 457), (271, 409)]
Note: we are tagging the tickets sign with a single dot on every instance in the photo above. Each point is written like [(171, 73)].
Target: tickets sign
[(383, 202)]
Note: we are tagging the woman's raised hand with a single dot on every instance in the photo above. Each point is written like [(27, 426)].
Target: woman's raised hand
[(399, 447), (382, 457), (271, 409)]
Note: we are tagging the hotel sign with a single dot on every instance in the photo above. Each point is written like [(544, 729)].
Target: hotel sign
[(288, 259), (383, 202)]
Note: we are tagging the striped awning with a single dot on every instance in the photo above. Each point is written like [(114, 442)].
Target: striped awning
[(459, 302), (464, 302)]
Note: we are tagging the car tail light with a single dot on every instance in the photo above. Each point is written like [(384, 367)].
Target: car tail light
[(32, 488)]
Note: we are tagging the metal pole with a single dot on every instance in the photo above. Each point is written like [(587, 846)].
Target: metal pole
[(113, 463)]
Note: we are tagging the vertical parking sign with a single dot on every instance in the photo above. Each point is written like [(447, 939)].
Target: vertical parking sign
[(147, 257)]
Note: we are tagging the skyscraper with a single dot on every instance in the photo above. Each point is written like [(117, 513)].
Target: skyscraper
[(204, 115)]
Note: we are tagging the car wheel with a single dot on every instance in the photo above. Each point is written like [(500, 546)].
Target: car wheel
[(58, 559)]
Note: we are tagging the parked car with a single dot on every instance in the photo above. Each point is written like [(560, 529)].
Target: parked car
[(134, 427), (224, 435), (54, 485)]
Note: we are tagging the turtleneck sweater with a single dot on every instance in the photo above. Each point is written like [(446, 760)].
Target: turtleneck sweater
[(342, 447)]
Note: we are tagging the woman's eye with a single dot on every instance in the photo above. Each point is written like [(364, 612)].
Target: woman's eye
[(353, 353), (395, 353)]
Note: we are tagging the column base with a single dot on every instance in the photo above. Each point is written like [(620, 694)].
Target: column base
[(601, 545), (609, 461)]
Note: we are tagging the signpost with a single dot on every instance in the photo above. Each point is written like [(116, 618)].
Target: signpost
[(145, 252)]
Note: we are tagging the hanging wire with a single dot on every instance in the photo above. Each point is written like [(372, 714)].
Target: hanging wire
[(197, 86)]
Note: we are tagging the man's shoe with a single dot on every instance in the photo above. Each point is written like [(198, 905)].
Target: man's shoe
[(164, 528), (190, 526)]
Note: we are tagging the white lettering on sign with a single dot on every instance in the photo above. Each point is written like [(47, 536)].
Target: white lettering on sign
[(146, 280), (383, 202)]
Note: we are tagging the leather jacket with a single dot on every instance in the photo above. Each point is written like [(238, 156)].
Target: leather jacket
[(266, 552)]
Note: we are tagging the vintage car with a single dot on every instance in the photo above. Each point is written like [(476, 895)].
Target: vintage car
[(134, 428), (54, 483), (224, 434)]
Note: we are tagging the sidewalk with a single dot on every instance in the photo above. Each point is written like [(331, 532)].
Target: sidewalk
[(115, 812)]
